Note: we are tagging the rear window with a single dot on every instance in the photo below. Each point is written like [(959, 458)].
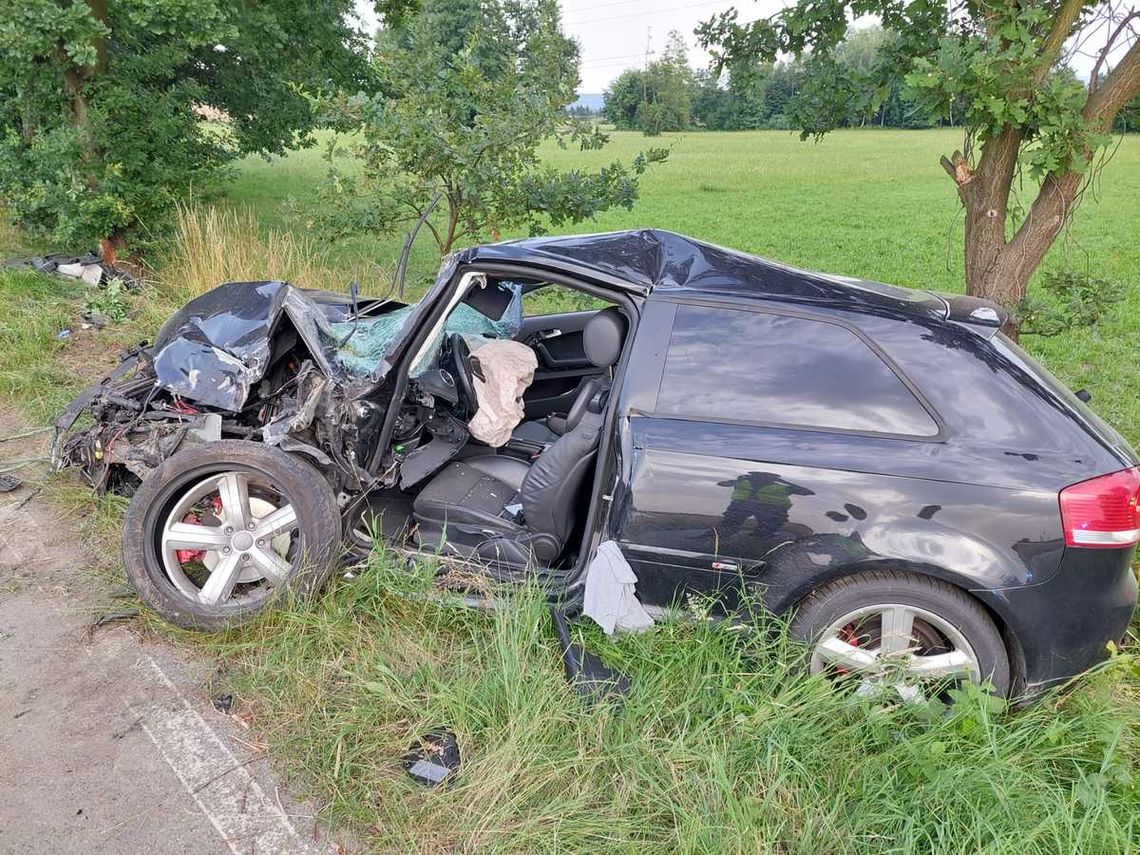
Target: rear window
[(732, 365)]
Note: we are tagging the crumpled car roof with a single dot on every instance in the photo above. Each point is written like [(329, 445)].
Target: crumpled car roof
[(651, 259)]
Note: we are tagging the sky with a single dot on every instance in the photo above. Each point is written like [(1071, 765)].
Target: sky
[(614, 35)]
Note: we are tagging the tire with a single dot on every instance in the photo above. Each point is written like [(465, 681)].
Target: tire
[(299, 548), (935, 607)]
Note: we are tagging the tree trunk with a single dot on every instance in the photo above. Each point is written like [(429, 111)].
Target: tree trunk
[(110, 247), (984, 191), (998, 269)]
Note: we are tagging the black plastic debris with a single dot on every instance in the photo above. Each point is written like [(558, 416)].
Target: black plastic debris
[(88, 267), (8, 483), (588, 675), (224, 703), (108, 618), (433, 759)]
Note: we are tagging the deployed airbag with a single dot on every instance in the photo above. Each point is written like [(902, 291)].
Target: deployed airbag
[(507, 370)]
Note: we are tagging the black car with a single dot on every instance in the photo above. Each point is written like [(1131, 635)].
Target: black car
[(883, 464)]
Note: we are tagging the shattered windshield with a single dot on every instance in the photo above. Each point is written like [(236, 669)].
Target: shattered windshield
[(365, 343), (215, 348)]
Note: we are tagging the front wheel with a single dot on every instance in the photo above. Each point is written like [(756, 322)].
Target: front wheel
[(901, 636), (219, 531)]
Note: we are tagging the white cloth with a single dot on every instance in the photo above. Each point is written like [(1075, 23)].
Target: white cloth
[(610, 599), (508, 369)]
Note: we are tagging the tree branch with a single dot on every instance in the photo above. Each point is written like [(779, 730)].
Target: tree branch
[(1059, 191), (1102, 57), (1120, 87), (1063, 24)]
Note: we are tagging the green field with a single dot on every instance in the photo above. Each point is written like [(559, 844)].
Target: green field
[(724, 744), (868, 203)]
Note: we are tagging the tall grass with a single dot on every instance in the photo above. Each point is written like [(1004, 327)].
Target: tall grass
[(724, 744), (34, 309), (219, 244)]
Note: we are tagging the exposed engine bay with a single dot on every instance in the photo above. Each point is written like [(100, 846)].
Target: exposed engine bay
[(309, 372)]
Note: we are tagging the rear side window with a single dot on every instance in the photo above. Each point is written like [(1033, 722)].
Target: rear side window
[(726, 364)]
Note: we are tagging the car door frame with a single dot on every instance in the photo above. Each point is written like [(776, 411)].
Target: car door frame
[(629, 297)]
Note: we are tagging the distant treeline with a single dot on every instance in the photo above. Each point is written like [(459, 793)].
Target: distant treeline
[(669, 95)]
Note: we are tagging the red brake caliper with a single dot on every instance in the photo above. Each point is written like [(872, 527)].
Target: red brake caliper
[(187, 556), (848, 634)]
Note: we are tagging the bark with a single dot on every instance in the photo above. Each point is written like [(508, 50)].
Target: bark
[(999, 269), (984, 191)]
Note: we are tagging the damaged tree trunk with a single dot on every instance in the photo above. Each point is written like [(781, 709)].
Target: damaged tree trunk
[(997, 268)]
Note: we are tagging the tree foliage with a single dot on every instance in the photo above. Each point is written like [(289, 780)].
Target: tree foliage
[(839, 90), (658, 98), (102, 103), (468, 89), (1002, 67)]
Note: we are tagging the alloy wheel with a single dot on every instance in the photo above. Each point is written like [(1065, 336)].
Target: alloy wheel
[(227, 537), (895, 649)]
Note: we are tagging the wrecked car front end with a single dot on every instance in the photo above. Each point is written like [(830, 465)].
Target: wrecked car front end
[(263, 361)]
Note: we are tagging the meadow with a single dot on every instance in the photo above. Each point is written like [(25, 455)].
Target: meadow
[(868, 203), (724, 745)]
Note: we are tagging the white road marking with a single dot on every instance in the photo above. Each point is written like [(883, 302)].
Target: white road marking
[(223, 788)]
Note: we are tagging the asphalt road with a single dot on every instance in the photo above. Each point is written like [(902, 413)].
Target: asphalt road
[(109, 743)]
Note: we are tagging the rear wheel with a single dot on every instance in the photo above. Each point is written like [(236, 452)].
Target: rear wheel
[(219, 531), (900, 636)]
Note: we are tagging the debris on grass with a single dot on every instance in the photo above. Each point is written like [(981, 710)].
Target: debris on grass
[(89, 267), (433, 759)]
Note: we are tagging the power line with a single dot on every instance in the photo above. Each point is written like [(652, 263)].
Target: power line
[(646, 12), (593, 6), (603, 59)]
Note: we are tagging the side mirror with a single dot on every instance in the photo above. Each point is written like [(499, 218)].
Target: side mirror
[(439, 383)]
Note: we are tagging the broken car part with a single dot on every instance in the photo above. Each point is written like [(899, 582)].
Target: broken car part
[(90, 268), (433, 759), (589, 676)]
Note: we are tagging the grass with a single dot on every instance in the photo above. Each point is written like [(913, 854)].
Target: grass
[(724, 745)]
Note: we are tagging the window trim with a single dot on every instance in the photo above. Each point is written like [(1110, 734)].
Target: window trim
[(938, 437)]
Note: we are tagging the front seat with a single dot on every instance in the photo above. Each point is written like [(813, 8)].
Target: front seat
[(602, 339), (501, 510)]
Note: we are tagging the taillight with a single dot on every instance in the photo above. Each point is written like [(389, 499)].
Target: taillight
[(1103, 512)]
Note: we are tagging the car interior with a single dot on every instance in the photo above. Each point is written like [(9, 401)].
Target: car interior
[(524, 504)]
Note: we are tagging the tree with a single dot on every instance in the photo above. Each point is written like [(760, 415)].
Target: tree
[(468, 91), (102, 104), (623, 98), (1025, 113), (780, 93), (657, 99), (668, 102)]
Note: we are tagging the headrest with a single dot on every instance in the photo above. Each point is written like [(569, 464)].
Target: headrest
[(603, 335)]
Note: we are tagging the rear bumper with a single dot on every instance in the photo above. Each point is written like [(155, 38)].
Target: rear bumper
[(1063, 626)]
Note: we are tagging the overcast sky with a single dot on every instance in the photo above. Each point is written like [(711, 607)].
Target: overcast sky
[(614, 34)]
